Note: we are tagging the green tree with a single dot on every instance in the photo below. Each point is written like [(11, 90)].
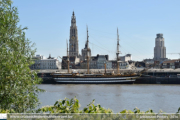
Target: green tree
[(18, 84)]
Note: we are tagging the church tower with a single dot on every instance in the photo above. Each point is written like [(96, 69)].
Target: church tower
[(86, 49), (159, 49), (73, 40)]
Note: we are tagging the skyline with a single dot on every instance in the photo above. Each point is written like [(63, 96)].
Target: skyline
[(138, 23)]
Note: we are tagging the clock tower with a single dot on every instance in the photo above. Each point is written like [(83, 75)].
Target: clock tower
[(73, 40)]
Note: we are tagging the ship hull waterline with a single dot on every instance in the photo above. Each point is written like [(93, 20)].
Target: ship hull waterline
[(120, 80)]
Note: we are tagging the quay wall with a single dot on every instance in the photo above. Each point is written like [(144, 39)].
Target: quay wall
[(141, 80), (156, 76), (157, 80)]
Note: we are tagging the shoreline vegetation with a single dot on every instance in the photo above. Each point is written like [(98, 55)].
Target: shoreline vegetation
[(18, 84), (73, 105)]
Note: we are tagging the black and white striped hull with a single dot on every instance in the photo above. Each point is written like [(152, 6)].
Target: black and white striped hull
[(120, 80)]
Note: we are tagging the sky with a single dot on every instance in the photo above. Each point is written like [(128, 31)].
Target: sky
[(138, 22)]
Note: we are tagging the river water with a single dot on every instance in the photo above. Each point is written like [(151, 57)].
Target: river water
[(116, 97)]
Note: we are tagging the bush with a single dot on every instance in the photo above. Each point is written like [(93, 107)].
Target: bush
[(18, 90)]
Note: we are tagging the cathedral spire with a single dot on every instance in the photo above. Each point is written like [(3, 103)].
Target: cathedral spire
[(73, 20), (73, 13), (73, 40)]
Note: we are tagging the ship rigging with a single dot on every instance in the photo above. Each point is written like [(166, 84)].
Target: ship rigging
[(94, 78)]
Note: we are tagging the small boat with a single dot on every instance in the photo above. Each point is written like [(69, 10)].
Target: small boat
[(106, 78)]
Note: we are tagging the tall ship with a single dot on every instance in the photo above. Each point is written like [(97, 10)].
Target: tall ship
[(95, 78)]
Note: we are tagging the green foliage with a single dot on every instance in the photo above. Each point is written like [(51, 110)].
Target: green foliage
[(126, 111), (137, 111), (178, 110), (72, 106), (91, 108), (63, 106), (18, 90)]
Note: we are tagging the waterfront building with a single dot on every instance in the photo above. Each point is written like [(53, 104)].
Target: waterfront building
[(140, 64), (93, 62), (83, 64), (108, 64), (114, 64), (101, 60), (126, 58), (159, 49), (73, 62), (42, 63), (96, 62), (73, 40), (157, 64), (149, 62), (122, 64), (171, 64)]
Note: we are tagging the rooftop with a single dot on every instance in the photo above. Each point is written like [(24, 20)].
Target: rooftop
[(171, 61)]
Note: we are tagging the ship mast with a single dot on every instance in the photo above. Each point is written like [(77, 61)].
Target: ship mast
[(87, 52), (67, 56), (118, 52), (105, 67)]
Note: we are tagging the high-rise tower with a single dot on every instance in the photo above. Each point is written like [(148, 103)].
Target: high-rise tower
[(73, 40), (159, 49)]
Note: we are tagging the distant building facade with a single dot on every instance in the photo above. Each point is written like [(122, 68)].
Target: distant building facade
[(42, 63), (96, 62), (149, 62), (126, 58), (122, 64), (159, 49), (101, 60), (140, 64), (93, 62), (171, 64), (73, 62)]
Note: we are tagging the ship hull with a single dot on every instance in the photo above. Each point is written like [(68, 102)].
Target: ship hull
[(115, 80)]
